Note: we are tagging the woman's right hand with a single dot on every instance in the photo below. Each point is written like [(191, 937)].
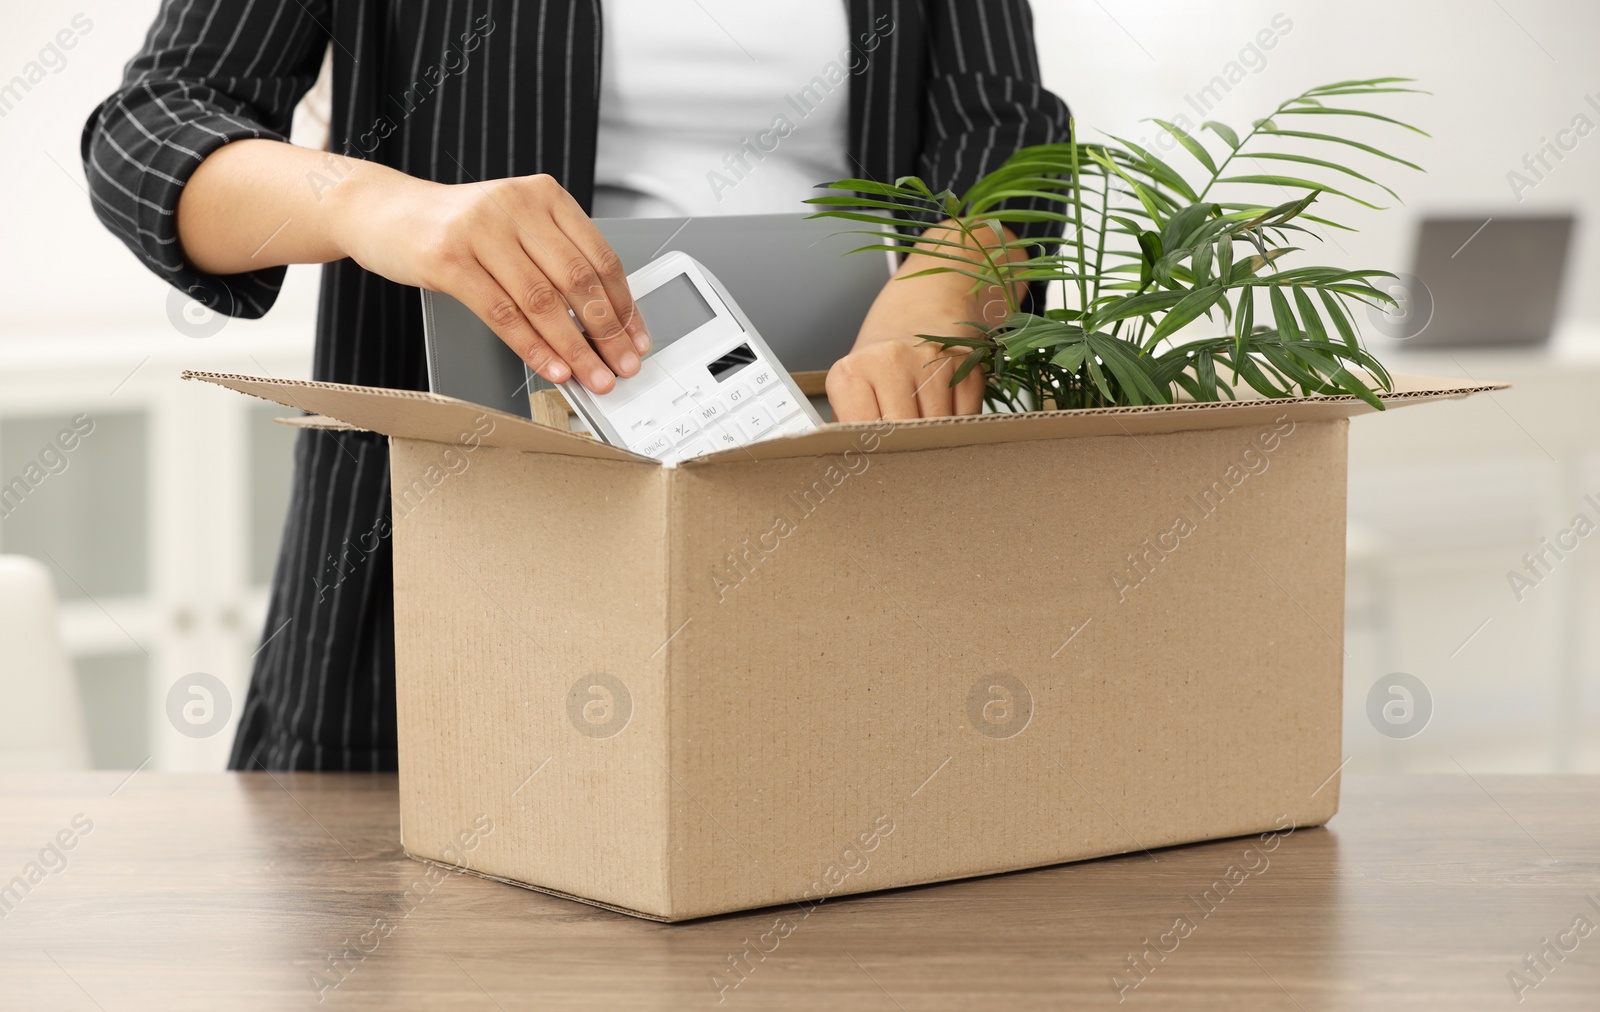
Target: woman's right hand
[(518, 252)]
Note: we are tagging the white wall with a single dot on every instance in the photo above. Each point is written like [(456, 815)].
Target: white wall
[(61, 272), (1503, 76)]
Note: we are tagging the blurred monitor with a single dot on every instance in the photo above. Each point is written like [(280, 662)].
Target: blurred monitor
[(1492, 281)]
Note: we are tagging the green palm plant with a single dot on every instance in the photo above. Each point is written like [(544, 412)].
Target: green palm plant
[(1145, 252)]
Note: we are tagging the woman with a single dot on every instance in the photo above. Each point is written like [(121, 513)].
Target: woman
[(469, 141)]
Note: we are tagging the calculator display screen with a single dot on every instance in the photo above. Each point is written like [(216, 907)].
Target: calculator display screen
[(675, 309), (730, 363)]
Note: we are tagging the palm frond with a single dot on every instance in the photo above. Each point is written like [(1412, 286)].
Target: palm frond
[(1142, 256)]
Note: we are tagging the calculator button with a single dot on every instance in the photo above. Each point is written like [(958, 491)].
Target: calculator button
[(682, 429), (710, 412), (781, 403), (655, 446), (763, 378), (638, 419), (739, 395), (726, 437), (697, 447), (756, 420)]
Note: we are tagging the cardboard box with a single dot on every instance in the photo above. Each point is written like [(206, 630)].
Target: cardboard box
[(866, 657)]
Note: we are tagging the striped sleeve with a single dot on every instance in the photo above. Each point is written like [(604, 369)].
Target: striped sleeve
[(210, 72), (986, 99)]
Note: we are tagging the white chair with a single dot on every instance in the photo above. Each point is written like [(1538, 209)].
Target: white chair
[(38, 693)]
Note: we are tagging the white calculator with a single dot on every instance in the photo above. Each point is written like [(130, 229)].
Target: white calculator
[(709, 383)]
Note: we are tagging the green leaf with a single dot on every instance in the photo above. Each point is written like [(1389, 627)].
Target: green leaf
[(1282, 316), (1129, 368), (1099, 379), (1341, 322), (1295, 181), (1205, 376), (1250, 369), (1139, 189), (1190, 145), (1201, 262), (1224, 131), (1150, 244), (1071, 357), (1309, 316), (1245, 269), (885, 190), (1188, 309), (1124, 307), (1304, 160), (1353, 112), (972, 361), (1369, 149), (1154, 167), (1178, 230), (1244, 321), (1361, 83)]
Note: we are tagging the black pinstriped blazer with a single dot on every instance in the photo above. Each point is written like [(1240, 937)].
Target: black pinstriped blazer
[(951, 88)]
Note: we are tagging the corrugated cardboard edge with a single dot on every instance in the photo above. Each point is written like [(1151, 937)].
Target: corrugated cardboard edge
[(969, 430), (415, 414), (782, 904), (475, 873), (316, 422)]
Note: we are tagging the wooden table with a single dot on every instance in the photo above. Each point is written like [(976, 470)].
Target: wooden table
[(237, 891)]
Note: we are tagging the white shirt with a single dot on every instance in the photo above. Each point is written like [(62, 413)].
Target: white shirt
[(721, 106)]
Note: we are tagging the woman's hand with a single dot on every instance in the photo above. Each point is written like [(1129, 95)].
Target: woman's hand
[(891, 373), (518, 252)]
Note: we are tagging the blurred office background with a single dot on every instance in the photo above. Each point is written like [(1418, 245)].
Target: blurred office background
[(160, 528)]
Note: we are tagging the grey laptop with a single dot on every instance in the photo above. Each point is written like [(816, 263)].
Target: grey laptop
[(788, 273), (1494, 281)]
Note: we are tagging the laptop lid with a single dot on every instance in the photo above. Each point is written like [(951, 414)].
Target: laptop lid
[(1493, 281), (789, 274)]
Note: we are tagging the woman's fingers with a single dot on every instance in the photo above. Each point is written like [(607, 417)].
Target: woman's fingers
[(969, 393), (579, 286), (935, 399), (896, 394), (480, 292), (850, 394), (613, 277), (900, 379), (523, 255), (544, 307)]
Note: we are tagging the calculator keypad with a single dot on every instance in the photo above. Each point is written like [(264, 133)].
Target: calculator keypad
[(754, 405)]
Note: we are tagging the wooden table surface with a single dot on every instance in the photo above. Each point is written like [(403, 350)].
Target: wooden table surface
[(235, 891)]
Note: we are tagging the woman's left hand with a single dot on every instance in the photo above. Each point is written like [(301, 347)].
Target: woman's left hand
[(891, 373)]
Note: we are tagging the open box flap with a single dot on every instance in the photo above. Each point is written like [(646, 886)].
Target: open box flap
[(413, 414), (971, 430)]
